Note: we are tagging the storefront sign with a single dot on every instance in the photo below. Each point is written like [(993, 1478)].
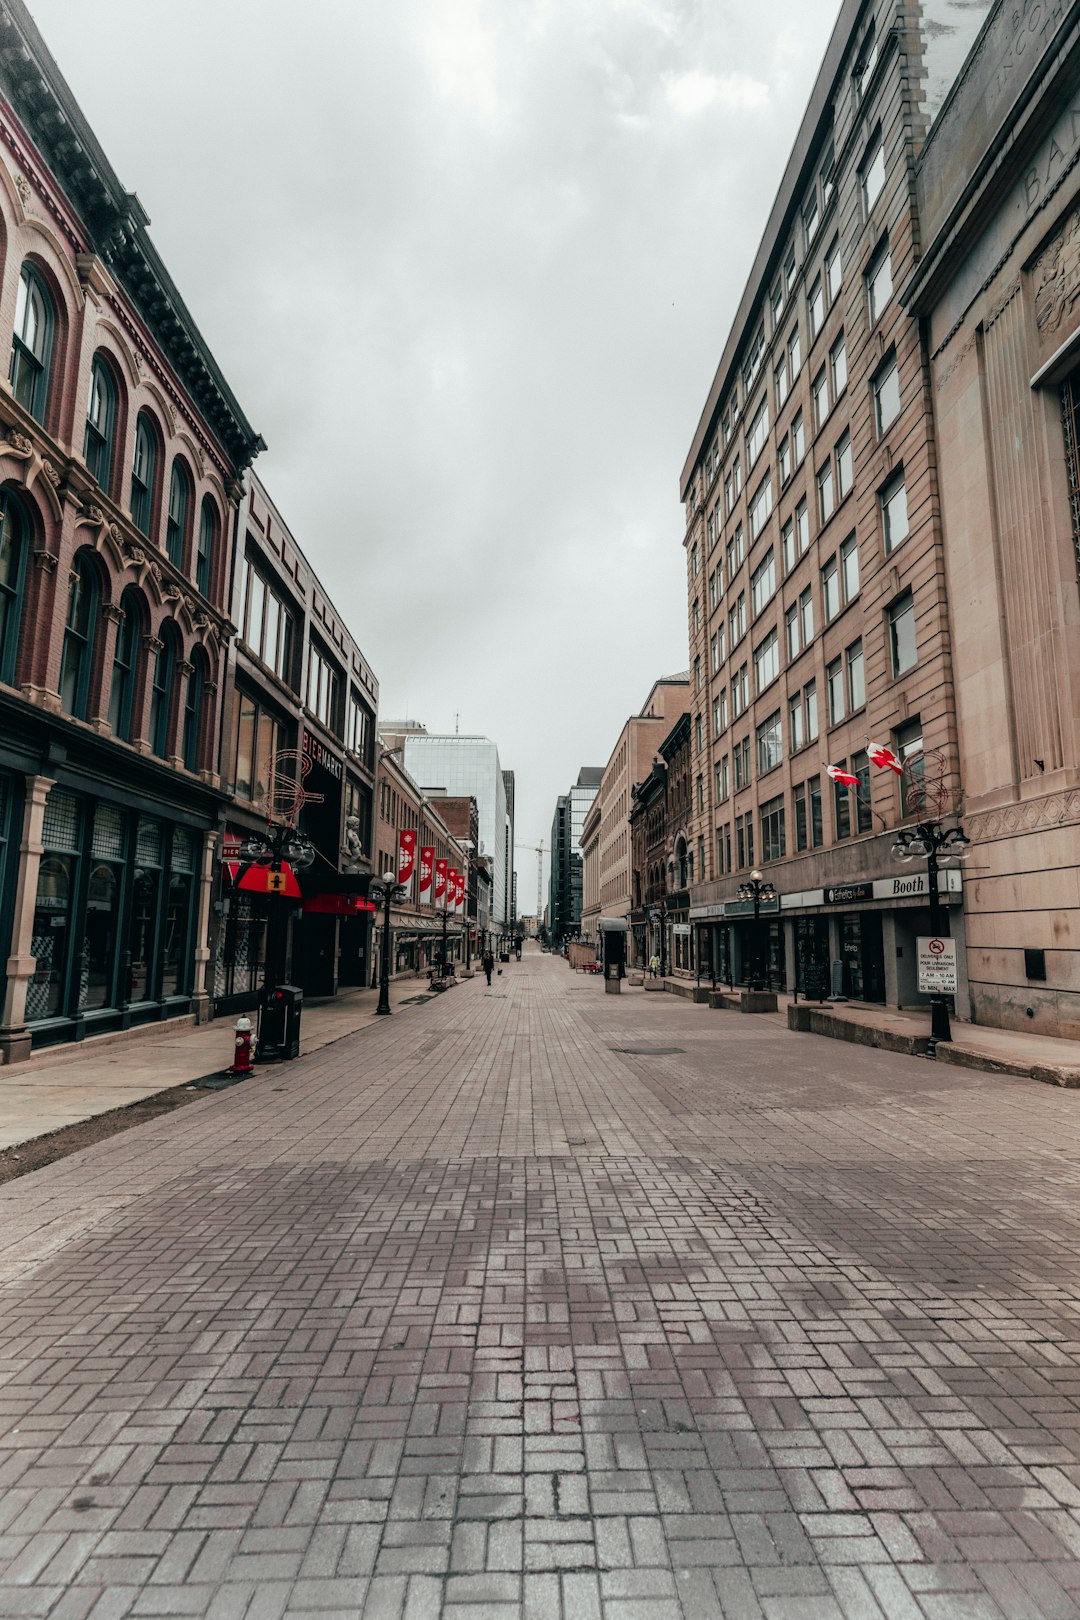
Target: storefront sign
[(937, 966), (916, 884), (682, 929), (843, 894), (745, 908), (319, 754), (427, 872)]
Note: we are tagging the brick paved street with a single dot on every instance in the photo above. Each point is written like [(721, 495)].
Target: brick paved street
[(481, 1312)]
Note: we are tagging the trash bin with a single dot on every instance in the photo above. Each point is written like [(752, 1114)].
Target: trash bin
[(279, 1021)]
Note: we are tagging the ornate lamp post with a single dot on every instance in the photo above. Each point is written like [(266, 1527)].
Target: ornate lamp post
[(385, 891), (757, 889), (936, 844), (279, 843), (656, 913)]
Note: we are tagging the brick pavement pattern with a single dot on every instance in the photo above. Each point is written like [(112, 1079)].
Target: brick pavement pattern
[(536, 1301)]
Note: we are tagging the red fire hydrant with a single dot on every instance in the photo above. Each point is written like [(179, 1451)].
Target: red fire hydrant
[(244, 1048)]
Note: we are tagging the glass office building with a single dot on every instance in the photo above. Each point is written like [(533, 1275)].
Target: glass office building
[(470, 765)]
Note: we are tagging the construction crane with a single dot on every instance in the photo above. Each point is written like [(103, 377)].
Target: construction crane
[(538, 851)]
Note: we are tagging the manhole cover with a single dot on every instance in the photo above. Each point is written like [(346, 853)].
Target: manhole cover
[(648, 1051)]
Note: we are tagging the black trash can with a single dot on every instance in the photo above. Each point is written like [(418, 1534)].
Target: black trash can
[(279, 1021)]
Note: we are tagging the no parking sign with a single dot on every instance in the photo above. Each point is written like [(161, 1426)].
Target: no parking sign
[(937, 966)]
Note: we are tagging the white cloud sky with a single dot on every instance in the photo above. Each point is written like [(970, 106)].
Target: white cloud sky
[(469, 267)]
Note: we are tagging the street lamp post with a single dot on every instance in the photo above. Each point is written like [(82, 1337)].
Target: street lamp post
[(757, 889), (386, 891), (657, 915), (937, 844), (269, 849)]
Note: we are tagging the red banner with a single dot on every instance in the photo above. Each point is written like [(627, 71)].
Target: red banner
[(427, 872), (451, 889), (271, 880), (440, 882), (460, 905), (406, 855)]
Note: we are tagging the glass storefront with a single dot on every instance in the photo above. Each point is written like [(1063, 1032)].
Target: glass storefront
[(113, 933)]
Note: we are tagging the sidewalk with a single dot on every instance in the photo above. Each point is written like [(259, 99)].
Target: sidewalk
[(973, 1046), (65, 1085)]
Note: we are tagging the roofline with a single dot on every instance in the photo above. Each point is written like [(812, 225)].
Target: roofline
[(774, 237)]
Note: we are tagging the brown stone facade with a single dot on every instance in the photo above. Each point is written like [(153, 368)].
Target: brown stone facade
[(997, 288)]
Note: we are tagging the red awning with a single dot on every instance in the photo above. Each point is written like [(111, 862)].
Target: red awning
[(337, 905)]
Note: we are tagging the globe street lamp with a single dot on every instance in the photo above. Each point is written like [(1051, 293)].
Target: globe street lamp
[(269, 849), (385, 891), (936, 844), (757, 889)]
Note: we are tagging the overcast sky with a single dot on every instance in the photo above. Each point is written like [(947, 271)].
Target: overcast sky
[(469, 266)]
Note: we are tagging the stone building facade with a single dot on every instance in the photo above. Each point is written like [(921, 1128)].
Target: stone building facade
[(998, 290), (818, 610), (121, 456)]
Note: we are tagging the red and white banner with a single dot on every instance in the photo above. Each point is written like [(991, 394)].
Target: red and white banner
[(427, 873), (440, 882), (451, 888), (461, 891), (406, 855)]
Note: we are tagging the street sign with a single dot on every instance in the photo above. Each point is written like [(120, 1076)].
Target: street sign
[(937, 966), (269, 880)]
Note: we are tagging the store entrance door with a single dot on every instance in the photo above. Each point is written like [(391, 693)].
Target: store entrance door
[(862, 951)]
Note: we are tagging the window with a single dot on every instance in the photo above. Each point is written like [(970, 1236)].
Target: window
[(176, 522), (358, 729), (714, 653), (736, 551), (801, 825), (856, 676), (763, 582), (766, 662), (838, 366), (161, 691), (780, 376), (864, 815), (204, 553), (733, 484), (761, 507), (259, 736), (849, 565), (879, 282), (717, 728), (759, 432), (811, 216), (100, 423), (833, 270), (324, 690), (769, 744), (845, 472), (125, 654), (802, 527), (834, 688), (193, 706), (826, 495), (721, 643), (816, 307), (902, 633), (776, 304), (873, 174), (697, 615), (787, 545), (31, 344), (773, 846), (820, 393), (908, 746), (867, 60), (695, 559), (791, 632), (722, 699), (796, 723), (783, 460), (740, 691), (13, 550), (697, 674), (78, 650), (842, 806), (794, 351), (737, 619), (894, 512), (754, 357), (806, 616), (267, 624), (723, 849), (886, 395), (830, 590), (700, 805), (744, 840), (817, 836), (741, 757), (699, 737), (798, 439), (828, 175), (142, 474), (790, 269), (810, 707)]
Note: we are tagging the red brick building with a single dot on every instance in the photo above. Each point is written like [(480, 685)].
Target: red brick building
[(121, 450)]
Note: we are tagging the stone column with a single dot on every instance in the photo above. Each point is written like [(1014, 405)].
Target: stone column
[(21, 964), (204, 899), (112, 617), (140, 722)]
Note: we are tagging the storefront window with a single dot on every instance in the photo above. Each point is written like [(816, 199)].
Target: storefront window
[(101, 927), (176, 969), (142, 927), (52, 937)]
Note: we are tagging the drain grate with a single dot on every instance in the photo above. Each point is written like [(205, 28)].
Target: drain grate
[(648, 1051)]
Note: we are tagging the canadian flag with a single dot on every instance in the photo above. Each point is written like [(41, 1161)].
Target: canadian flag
[(884, 758), (845, 778)]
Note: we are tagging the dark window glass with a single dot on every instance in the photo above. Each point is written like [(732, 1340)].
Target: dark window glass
[(100, 419), (204, 557), (31, 344), (12, 575), (142, 476), (902, 634), (161, 695), (177, 520), (817, 836), (122, 688), (193, 702), (79, 631)]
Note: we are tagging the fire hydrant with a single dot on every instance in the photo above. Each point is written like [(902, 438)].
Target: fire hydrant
[(244, 1048)]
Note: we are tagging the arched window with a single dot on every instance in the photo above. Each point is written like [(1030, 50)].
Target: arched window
[(125, 658), (100, 423), (13, 549), (177, 520), (204, 558), (31, 343), (193, 707), (162, 691), (79, 629), (142, 474)]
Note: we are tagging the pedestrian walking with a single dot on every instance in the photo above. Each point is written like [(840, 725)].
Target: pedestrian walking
[(487, 962), (654, 964)]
